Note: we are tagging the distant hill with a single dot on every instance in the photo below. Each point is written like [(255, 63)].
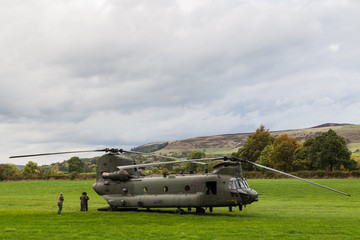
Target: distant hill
[(331, 125), (227, 143)]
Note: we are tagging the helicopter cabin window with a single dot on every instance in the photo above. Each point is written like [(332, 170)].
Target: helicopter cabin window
[(166, 189), (211, 188), (232, 185), (145, 190), (187, 188)]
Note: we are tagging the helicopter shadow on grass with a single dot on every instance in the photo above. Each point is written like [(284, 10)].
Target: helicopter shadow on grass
[(193, 213)]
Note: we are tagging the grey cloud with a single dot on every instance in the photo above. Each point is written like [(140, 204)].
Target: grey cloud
[(98, 73)]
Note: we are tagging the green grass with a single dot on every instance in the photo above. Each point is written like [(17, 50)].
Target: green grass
[(353, 146), (287, 209), (356, 126)]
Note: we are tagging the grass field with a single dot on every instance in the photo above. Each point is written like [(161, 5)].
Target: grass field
[(287, 209), (353, 147)]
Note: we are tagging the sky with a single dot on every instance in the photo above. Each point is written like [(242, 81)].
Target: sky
[(89, 74)]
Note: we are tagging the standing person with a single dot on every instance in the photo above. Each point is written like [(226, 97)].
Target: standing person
[(60, 201), (84, 202)]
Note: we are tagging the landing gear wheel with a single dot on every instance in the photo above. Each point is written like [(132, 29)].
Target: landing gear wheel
[(200, 210), (179, 211)]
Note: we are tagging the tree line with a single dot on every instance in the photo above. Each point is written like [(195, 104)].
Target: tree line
[(327, 152), (32, 170)]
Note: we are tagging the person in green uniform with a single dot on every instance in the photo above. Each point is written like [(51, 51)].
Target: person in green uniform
[(84, 202), (60, 201)]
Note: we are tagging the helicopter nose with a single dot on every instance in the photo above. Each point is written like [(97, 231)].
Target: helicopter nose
[(249, 196), (94, 187), (254, 196)]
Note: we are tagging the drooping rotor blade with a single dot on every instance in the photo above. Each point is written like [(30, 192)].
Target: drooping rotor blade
[(290, 175), (156, 155), (164, 163), (56, 153)]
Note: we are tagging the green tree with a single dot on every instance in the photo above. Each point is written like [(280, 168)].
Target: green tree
[(213, 163), (165, 171), (46, 170), (170, 167), (179, 168), (282, 156), (75, 164), (193, 167), (8, 170), (264, 156), (31, 169), (155, 170), (302, 159), (92, 168), (254, 145), (329, 152)]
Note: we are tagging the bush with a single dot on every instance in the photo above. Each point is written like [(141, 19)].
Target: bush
[(355, 173)]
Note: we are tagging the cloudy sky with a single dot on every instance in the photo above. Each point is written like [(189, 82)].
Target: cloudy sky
[(87, 74)]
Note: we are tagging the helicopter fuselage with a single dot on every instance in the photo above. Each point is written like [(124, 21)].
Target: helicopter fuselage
[(207, 190), (131, 189)]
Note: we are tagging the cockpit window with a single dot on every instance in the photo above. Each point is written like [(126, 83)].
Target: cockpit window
[(241, 182), (246, 184), (237, 183)]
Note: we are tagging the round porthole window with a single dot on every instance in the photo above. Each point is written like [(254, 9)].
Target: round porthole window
[(187, 188), (166, 189), (125, 190), (145, 190)]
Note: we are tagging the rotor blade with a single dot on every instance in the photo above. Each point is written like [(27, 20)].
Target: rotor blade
[(164, 163), (290, 175), (156, 155), (56, 153)]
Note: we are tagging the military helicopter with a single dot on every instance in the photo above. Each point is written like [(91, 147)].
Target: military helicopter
[(124, 186)]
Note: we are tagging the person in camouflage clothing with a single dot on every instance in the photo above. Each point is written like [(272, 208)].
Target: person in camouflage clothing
[(84, 202), (60, 201)]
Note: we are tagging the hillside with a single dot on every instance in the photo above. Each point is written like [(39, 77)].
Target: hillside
[(227, 143)]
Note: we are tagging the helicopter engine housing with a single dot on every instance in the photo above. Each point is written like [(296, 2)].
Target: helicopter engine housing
[(108, 164)]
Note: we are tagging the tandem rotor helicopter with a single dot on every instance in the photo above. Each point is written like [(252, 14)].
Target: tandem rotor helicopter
[(124, 186)]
